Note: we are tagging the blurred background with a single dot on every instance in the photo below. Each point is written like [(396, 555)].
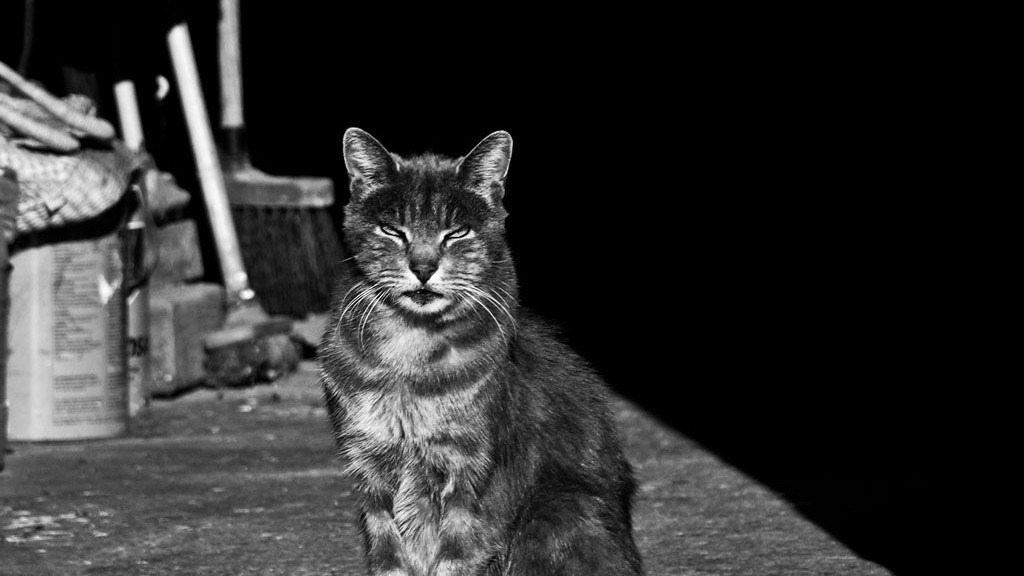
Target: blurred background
[(733, 233)]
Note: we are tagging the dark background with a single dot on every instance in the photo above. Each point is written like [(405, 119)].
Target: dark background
[(735, 230)]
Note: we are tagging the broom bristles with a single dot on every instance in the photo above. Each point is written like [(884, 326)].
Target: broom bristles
[(291, 255)]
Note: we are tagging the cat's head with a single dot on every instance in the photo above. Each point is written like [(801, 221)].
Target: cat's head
[(427, 232)]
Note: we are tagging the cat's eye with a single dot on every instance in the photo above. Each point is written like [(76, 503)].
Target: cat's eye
[(460, 232), (392, 231)]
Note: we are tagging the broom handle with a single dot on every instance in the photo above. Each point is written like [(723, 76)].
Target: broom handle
[(131, 128), (141, 218), (128, 112), (211, 178), (232, 120)]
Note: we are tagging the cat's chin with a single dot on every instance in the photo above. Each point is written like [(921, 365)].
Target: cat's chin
[(423, 302)]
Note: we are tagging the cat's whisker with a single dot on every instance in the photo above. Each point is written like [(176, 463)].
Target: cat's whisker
[(499, 296), (473, 304), (378, 298), (366, 291), (363, 293), (337, 327), (365, 314), (471, 294), (504, 306), (506, 292), (358, 284), (497, 300), (476, 292)]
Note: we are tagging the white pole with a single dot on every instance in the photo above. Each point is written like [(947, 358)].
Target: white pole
[(211, 178)]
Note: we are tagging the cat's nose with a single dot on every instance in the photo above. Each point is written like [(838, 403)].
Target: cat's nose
[(423, 270)]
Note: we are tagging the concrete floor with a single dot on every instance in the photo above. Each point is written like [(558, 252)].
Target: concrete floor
[(245, 482)]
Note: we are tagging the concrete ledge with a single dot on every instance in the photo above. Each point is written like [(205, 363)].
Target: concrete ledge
[(245, 481)]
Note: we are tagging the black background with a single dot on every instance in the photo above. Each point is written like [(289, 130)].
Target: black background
[(734, 229)]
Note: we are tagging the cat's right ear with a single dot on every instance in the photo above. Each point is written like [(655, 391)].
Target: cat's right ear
[(368, 163), (483, 170)]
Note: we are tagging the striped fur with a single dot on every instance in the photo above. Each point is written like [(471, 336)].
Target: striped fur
[(479, 443)]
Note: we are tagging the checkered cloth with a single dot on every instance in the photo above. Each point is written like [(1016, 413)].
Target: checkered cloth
[(61, 188), (8, 210), (57, 190)]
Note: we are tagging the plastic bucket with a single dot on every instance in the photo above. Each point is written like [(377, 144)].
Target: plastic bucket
[(66, 376), (8, 211), (4, 307)]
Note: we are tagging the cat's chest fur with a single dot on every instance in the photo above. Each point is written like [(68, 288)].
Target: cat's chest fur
[(396, 415), (399, 351), (391, 424)]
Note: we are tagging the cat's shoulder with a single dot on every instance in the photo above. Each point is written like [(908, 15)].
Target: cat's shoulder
[(535, 332), (542, 344)]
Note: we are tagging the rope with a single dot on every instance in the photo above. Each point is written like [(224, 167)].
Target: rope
[(89, 125), (49, 136)]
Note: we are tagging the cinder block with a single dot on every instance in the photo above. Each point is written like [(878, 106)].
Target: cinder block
[(181, 258), (180, 316)]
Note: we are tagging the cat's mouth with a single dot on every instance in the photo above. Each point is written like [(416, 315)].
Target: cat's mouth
[(422, 297)]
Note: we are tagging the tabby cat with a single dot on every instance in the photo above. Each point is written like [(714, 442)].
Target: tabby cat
[(479, 443)]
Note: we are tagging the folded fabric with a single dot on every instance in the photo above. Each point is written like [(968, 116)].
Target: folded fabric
[(61, 189), (69, 167)]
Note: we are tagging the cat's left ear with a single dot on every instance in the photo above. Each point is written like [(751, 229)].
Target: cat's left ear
[(483, 170), (368, 163)]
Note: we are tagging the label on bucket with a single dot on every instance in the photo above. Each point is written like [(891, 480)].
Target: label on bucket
[(67, 363)]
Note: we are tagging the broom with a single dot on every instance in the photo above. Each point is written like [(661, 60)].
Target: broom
[(285, 226), (252, 345)]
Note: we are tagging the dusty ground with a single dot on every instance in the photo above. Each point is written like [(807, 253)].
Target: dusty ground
[(247, 483)]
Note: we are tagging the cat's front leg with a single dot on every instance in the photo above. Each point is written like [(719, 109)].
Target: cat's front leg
[(384, 553), (467, 542), (572, 535)]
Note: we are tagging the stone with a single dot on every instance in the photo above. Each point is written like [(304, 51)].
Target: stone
[(180, 255), (180, 317)]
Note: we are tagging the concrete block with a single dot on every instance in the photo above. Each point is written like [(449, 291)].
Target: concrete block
[(181, 258), (180, 316), (167, 201)]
